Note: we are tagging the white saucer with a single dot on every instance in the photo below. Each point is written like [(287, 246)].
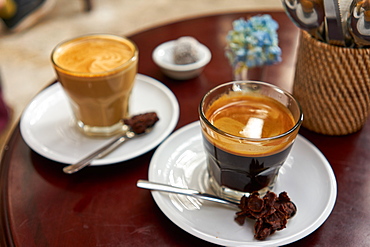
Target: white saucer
[(47, 124), (307, 177)]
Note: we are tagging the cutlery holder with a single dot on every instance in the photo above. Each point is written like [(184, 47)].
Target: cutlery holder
[(332, 84)]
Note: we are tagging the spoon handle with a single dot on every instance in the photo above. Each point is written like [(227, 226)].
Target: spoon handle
[(144, 184), (95, 155)]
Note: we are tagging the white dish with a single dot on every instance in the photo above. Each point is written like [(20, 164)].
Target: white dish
[(47, 124), (307, 177), (163, 57)]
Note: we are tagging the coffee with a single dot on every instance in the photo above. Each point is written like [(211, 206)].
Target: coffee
[(250, 116), (247, 137), (98, 74), (243, 173)]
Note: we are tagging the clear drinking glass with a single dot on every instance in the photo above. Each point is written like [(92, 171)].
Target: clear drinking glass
[(248, 130), (98, 73)]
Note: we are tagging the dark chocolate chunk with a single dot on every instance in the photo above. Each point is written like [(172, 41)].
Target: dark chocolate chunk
[(270, 212), (139, 123)]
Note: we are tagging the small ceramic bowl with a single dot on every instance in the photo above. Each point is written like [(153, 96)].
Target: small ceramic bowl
[(163, 57)]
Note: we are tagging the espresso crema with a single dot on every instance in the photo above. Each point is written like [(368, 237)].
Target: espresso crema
[(250, 116)]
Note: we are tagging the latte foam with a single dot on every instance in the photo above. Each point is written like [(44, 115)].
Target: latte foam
[(93, 55)]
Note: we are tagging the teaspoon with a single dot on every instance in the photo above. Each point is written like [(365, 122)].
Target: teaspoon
[(145, 184), (101, 152)]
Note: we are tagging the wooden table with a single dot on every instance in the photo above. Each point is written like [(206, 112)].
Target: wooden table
[(101, 206)]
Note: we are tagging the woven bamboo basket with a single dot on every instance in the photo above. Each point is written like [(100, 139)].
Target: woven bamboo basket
[(333, 86)]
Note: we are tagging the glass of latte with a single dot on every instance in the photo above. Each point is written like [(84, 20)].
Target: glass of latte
[(248, 130), (97, 73)]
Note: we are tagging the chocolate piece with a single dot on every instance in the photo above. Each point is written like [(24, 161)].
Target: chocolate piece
[(139, 123), (270, 212)]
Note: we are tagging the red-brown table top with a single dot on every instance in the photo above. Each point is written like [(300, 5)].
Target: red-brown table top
[(101, 206)]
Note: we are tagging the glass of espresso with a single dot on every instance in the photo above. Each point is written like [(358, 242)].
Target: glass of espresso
[(248, 130), (97, 73)]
